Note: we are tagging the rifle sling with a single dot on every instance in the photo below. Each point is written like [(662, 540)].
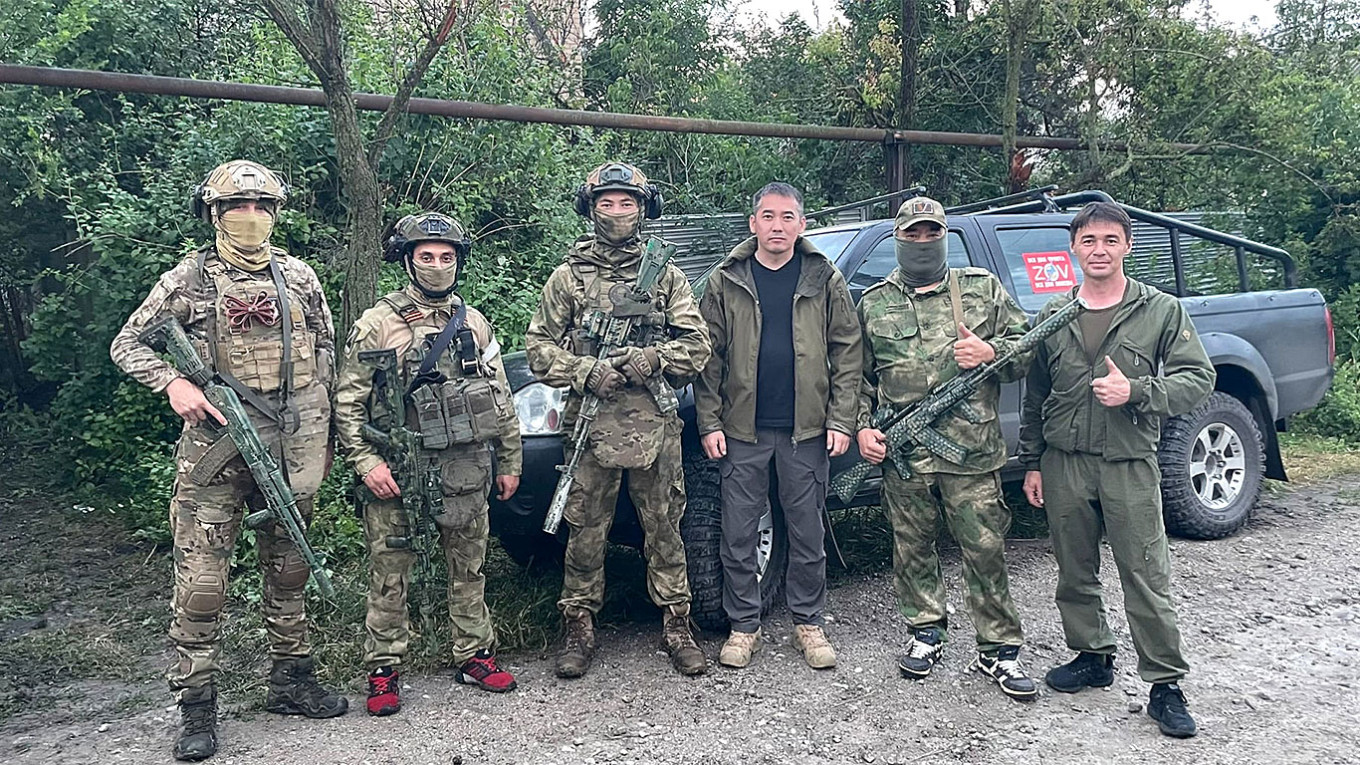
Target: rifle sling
[(441, 344), (289, 421)]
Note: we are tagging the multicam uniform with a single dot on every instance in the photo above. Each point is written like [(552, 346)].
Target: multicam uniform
[(630, 432), (408, 322), (233, 317), (908, 351)]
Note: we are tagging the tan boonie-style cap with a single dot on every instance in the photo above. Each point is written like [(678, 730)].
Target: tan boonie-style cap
[(919, 209)]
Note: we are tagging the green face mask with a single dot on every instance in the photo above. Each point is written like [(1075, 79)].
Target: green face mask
[(243, 238), (618, 230), (433, 281), (922, 263)]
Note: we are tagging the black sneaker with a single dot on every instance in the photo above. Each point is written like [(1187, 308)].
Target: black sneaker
[(1088, 670), (1166, 705), (923, 653), (1003, 666)]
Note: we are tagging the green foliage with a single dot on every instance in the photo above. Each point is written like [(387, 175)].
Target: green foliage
[(1338, 416)]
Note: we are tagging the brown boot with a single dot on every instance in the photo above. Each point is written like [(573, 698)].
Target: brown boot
[(679, 641), (578, 645)]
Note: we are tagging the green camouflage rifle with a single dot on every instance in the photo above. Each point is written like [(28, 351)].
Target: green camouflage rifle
[(417, 474), (616, 330), (913, 426), (167, 336)]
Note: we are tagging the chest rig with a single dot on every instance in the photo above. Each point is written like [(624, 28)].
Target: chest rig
[(607, 295), (257, 335), (451, 396)]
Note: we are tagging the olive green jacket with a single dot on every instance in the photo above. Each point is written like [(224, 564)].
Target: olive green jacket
[(1152, 342), (826, 347)]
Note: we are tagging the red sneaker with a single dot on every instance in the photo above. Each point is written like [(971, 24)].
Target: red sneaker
[(384, 692), (482, 671)]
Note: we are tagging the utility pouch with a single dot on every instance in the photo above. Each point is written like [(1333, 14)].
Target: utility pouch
[(470, 410), (434, 432)]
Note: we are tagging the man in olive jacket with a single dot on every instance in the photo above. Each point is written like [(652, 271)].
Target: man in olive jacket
[(782, 385), (1092, 418)]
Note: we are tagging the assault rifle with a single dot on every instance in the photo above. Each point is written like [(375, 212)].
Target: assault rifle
[(631, 307), (167, 336), (418, 477), (913, 426)]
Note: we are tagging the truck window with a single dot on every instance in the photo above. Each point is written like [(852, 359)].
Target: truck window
[(882, 259), (1040, 263), (831, 243)]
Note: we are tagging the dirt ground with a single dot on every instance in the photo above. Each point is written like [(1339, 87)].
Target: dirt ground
[(1271, 620)]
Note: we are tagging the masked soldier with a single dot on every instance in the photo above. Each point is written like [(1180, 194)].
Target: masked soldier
[(922, 325), (259, 319), (454, 396), (630, 432)]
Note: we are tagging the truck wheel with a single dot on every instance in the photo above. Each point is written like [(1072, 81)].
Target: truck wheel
[(1213, 463), (701, 530)]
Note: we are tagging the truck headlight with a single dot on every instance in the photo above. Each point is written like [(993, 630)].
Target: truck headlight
[(539, 408)]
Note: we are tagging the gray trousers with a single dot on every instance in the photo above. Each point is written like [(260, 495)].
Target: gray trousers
[(801, 470)]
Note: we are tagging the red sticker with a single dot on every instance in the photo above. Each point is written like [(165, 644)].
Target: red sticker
[(1050, 271)]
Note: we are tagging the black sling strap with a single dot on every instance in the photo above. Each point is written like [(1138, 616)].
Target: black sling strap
[(427, 373), (289, 421)]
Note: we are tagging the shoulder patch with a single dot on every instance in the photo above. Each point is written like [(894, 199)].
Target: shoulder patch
[(1185, 335), (975, 271)]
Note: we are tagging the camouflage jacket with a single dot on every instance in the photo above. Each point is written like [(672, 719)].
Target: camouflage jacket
[(826, 340), (1152, 342), (909, 341), (226, 312), (381, 327), (581, 285)]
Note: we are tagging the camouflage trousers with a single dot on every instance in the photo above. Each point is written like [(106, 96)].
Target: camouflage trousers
[(979, 520), (462, 527), (205, 519), (658, 493)]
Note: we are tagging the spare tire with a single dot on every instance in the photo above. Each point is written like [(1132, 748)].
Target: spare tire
[(1213, 465), (701, 530)]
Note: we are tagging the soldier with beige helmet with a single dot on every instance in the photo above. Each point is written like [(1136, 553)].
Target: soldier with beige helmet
[(451, 381), (631, 432), (259, 319)]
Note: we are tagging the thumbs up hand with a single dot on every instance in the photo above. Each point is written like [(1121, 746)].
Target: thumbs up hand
[(970, 350), (1112, 389)]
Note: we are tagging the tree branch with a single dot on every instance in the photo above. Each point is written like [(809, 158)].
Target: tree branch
[(408, 85), (299, 34)]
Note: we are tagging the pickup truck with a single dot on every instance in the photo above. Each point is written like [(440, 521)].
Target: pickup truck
[(1273, 350)]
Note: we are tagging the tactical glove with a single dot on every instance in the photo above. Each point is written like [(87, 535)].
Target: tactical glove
[(637, 364), (604, 380)]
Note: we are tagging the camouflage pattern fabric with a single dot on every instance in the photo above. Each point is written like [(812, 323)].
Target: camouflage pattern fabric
[(978, 519), (206, 514), (464, 544), (658, 493), (560, 356), (466, 472), (908, 350)]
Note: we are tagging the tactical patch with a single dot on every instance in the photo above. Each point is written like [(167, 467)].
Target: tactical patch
[(410, 314), (922, 207), (1185, 335)]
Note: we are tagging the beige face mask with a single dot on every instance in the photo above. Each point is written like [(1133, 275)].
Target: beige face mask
[(243, 238), (434, 281)]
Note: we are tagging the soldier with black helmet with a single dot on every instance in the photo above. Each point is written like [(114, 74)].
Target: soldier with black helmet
[(259, 319), (449, 374), (632, 431)]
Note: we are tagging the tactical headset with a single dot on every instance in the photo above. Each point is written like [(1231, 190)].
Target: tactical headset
[(619, 177)]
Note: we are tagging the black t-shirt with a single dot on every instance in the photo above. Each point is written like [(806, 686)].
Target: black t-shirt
[(774, 367)]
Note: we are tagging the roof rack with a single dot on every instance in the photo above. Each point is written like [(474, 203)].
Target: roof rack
[(1241, 246), (974, 207)]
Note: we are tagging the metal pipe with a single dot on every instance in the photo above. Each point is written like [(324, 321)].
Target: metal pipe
[(84, 79)]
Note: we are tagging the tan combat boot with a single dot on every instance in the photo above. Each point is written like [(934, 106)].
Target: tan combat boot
[(817, 650), (679, 641), (578, 645), (739, 649)]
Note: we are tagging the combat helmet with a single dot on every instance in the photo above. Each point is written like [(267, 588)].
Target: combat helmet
[(617, 176), (237, 179)]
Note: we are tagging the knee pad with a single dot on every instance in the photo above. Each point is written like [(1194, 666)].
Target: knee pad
[(291, 571), (203, 595)]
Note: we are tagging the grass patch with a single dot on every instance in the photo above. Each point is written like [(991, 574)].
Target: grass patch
[(1310, 458)]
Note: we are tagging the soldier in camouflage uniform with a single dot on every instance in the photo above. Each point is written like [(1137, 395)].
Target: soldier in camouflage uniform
[(923, 324), (471, 409), (630, 432), (259, 319)]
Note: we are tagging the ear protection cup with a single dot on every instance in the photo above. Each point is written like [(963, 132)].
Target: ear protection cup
[(653, 202), (581, 202), (196, 206)]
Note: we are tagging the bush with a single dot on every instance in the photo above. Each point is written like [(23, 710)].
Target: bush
[(1338, 416)]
